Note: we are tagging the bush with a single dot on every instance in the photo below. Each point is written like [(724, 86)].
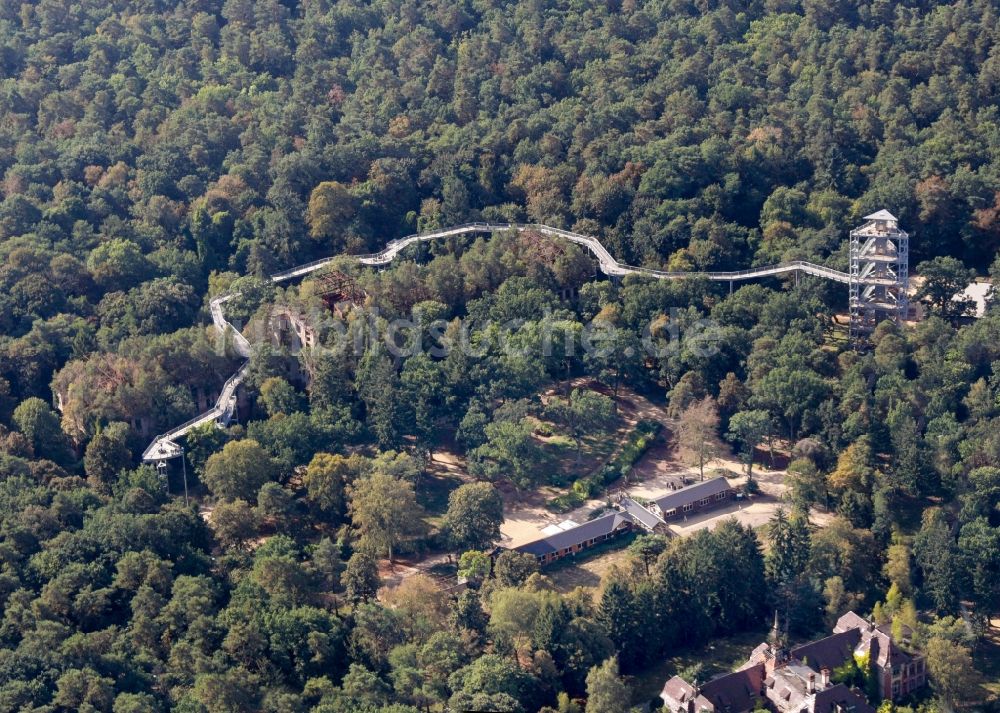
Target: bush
[(566, 502), (543, 429)]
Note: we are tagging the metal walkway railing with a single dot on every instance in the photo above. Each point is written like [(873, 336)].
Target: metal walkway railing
[(164, 446)]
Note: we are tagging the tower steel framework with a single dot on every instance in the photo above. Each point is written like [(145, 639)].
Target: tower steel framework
[(879, 274)]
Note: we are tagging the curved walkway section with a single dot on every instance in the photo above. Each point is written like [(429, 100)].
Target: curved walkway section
[(165, 446)]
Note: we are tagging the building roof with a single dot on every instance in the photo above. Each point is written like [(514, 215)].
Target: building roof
[(737, 691), (597, 527), (873, 640), (692, 493), (788, 688), (795, 689), (850, 620), (677, 692), (881, 215), (559, 527), (829, 652), (758, 655), (795, 683), (839, 697), (643, 516)]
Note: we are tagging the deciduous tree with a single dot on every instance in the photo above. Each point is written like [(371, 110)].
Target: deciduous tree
[(944, 278), (748, 428), (107, 454), (326, 479), (239, 470), (512, 568), (584, 412), (386, 512), (331, 206), (40, 425), (698, 435), (475, 513), (950, 669), (235, 523), (606, 691), (510, 450)]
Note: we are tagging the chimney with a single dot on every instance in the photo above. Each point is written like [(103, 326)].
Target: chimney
[(825, 678), (812, 683)]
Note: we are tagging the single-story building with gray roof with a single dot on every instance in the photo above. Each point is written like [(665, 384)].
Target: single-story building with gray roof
[(682, 502), (575, 539)]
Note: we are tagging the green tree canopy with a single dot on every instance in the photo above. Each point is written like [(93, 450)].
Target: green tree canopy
[(475, 513), (239, 470), (386, 512)]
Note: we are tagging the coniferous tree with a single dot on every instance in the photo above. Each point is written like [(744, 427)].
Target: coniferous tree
[(361, 579), (935, 552), (378, 386), (620, 616)]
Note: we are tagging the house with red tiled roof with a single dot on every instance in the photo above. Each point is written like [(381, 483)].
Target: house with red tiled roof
[(897, 672)]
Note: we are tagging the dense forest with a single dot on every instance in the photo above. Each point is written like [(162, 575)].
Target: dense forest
[(155, 154)]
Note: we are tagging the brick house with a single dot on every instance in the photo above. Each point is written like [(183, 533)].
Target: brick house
[(898, 672), (692, 499), (798, 680), (631, 516), (678, 504), (576, 539)]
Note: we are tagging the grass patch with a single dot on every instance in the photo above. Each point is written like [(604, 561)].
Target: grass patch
[(721, 655), (566, 501), (560, 441), (433, 492), (588, 568), (639, 441), (836, 336), (444, 569), (617, 543), (589, 571), (559, 452)]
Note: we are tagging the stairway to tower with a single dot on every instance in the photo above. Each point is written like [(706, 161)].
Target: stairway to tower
[(879, 275)]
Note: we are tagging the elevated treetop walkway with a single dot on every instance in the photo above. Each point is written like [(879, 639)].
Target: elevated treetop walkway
[(165, 446), (608, 264)]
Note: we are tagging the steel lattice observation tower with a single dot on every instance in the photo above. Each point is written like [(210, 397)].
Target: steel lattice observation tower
[(879, 274)]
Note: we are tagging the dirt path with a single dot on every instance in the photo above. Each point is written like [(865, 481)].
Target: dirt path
[(656, 474), (393, 575)]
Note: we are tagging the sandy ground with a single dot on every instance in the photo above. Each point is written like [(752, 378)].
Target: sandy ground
[(525, 522), (392, 575), (444, 461), (525, 517), (526, 514), (651, 478)]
